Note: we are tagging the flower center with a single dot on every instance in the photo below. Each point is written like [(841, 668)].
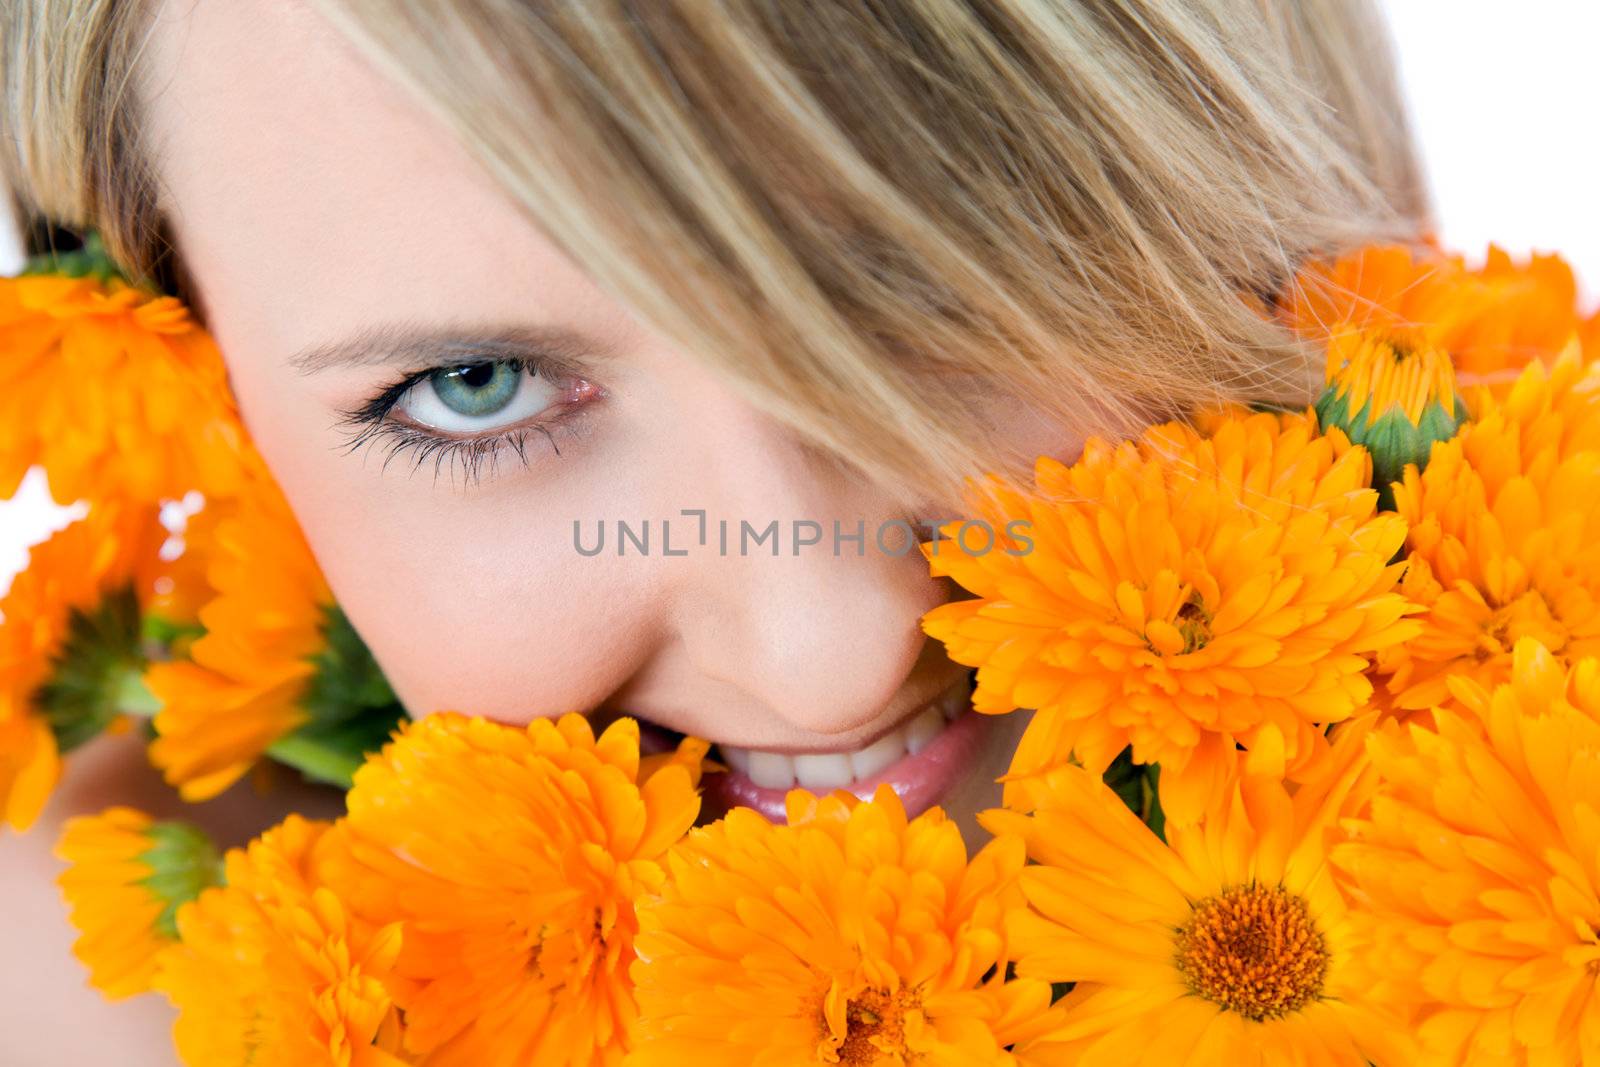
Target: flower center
[(1254, 950), (876, 1027), (1194, 623), (1529, 615), (564, 951)]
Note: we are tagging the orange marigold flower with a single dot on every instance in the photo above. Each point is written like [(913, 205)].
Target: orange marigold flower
[(1589, 338), (1225, 944), (272, 971), (513, 859), (1526, 312), (1492, 320), (181, 587), (1472, 874), (70, 655), (1504, 539), (242, 684), (30, 767), (278, 669), (1180, 594), (114, 391), (848, 936), (1386, 288), (126, 877)]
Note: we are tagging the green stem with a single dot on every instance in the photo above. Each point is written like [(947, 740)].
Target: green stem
[(133, 697), (315, 760)]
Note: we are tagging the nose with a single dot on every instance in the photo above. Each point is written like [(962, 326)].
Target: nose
[(799, 613)]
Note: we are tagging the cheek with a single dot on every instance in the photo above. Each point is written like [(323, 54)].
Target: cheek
[(472, 629), (451, 585), (475, 607)]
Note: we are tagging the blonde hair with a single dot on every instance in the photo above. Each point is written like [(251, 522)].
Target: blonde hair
[(868, 215)]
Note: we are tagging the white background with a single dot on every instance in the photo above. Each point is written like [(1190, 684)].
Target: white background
[(1503, 98)]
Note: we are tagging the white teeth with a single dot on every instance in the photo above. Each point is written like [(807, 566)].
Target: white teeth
[(924, 728), (771, 770), (737, 758), (835, 770), (826, 770), (878, 755), (954, 702)]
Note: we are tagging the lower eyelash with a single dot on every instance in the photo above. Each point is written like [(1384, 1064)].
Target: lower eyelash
[(470, 454)]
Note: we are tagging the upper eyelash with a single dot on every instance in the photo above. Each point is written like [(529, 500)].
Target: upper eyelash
[(370, 423), (379, 406)]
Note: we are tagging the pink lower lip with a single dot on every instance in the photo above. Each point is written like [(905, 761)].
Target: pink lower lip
[(920, 778)]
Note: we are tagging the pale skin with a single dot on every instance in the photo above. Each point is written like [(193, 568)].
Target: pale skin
[(312, 202)]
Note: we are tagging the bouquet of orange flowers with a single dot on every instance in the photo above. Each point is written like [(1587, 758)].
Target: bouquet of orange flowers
[(1312, 776)]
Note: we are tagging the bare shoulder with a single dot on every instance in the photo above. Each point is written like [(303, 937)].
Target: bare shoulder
[(48, 1013)]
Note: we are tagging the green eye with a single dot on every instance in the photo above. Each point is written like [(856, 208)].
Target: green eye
[(471, 398), (477, 389)]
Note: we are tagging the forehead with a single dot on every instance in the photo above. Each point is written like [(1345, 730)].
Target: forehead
[(310, 196)]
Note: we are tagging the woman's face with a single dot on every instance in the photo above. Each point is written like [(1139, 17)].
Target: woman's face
[(343, 248)]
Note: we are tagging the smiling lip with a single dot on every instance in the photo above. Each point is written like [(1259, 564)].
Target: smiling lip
[(920, 778)]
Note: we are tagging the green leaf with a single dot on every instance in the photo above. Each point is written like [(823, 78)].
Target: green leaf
[(91, 260), (1150, 798), (352, 708), (348, 677), (1136, 784)]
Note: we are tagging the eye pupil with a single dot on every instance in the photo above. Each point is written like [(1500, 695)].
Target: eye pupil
[(477, 388), (478, 375)]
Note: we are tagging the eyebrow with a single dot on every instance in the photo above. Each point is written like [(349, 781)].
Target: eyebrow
[(422, 347)]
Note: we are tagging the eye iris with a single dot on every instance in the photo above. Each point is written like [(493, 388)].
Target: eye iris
[(477, 388)]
